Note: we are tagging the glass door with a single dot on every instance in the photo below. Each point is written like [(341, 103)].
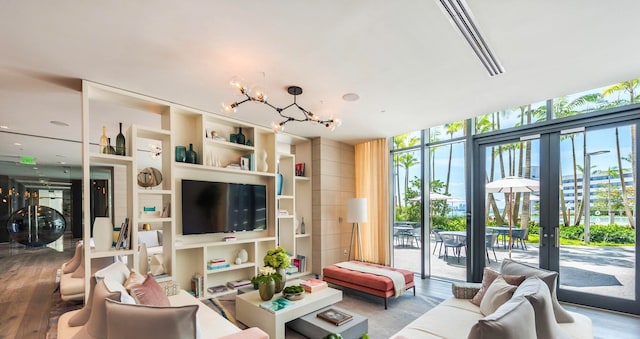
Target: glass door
[(596, 237)]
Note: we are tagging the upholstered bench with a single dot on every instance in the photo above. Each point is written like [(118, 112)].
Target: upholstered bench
[(377, 285)]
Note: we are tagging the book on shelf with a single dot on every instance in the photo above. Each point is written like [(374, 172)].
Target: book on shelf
[(218, 289), (276, 305), (239, 283), (218, 266), (291, 269), (334, 316), (302, 262), (217, 260), (123, 237), (313, 285)]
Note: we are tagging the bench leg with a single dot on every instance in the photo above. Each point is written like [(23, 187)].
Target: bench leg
[(385, 303)]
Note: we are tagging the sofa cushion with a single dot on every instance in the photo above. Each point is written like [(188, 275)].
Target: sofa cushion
[(96, 326), (537, 293), (150, 321), (212, 324), (488, 277), (498, 293), (549, 277), (118, 272), (134, 279), (150, 293), (113, 286), (514, 319), (73, 264)]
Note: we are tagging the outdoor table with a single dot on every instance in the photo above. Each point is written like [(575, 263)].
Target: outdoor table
[(502, 231)]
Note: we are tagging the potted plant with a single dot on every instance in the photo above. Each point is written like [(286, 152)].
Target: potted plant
[(266, 280), (279, 260)]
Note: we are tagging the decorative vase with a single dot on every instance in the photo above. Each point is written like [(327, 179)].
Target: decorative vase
[(120, 143), (110, 149), (104, 141), (264, 166), (240, 137), (279, 285), (243, 255), (279, 183), (267, 290), (302, 227), (191, 156), (181, 153), (102, 233)]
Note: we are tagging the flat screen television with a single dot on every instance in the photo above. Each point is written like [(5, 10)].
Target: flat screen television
[(220, 207)]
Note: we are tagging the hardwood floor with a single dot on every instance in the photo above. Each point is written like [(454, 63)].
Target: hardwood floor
[(27, 277)]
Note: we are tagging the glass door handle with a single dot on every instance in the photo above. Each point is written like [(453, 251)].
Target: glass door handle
[(557, 234)]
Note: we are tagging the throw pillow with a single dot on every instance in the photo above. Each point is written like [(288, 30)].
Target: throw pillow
[(537, 293), (118, 271), (150, 293), (96, 326), (151, 321), (488, 277), (73, 264), (134, 279), (514, 319), (81, 317), (497, 294), (117, 287), (549, 277)]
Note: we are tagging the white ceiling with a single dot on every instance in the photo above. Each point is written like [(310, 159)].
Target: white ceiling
[(404, 59)]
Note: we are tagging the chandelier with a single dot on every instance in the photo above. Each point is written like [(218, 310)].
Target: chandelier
[(257, 95)]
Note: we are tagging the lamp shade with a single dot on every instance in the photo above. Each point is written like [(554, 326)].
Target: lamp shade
[(357, 210)]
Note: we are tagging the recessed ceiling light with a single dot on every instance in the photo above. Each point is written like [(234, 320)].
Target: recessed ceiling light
[(61, 162), (35, 168), (350, 97), (59, 123), (17, 144), (60, 156), (4, 127)]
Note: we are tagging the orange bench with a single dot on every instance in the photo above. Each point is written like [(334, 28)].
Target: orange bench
[(377, 285)]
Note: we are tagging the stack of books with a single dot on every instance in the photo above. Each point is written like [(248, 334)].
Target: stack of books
[(220, 289), (292, 269), (216, 264), (300, 261), (313, 285)]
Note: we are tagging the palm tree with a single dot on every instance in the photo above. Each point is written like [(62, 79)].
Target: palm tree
[(452, 128)]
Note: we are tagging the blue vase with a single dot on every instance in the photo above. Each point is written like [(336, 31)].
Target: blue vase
[(278, 183)]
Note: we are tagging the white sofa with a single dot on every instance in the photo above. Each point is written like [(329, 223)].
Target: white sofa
[(457, 317), (98, 320)]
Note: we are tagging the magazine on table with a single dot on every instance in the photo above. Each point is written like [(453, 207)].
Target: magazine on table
[(334, 316), (276, 305)]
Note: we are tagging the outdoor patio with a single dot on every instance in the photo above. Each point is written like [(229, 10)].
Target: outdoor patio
[(590, 269)]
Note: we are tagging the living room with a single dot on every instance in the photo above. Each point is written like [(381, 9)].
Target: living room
[(382, 70)]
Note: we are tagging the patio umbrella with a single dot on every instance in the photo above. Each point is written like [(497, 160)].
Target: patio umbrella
[(433, 196), (512, 185)]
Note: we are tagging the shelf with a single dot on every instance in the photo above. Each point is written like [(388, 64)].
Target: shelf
[(303, 178), (110, 159), (285, 217), (233, 267), (229, 145), (282, 197), (191, 245), (152, 133), (297, 275), (306, 235), (149, 220), (110, 253), (222, 169), (152, 191)]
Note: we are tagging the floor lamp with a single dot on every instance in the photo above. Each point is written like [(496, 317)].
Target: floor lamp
[(356, 213)]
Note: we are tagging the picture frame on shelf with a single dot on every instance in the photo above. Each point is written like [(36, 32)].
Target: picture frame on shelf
[(300, 169)]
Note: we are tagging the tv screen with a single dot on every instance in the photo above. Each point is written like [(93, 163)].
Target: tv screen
[(216, 207)]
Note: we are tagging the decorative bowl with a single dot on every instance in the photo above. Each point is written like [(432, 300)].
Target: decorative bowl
[(293, 296)]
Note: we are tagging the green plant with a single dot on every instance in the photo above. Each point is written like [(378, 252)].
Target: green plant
[(266, 275), (293, 289), (277, 258)]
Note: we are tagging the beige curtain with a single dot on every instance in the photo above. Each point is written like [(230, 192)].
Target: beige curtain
[(372, 182)]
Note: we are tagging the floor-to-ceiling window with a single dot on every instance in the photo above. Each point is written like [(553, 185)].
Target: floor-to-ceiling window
[(579, 217)]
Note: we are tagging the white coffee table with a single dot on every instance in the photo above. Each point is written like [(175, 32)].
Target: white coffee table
[(249, 312)]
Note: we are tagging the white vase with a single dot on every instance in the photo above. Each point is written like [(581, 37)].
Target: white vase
[(243, 256), (102, 234), (264, 165)]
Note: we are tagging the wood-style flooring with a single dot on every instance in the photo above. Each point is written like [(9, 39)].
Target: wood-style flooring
[(27, 282)]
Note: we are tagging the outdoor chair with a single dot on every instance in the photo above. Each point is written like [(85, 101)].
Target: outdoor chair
[(518, 236), (415, 235), (438, 239), (489, 243), (457, 243)]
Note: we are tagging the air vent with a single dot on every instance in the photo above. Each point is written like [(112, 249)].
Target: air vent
[(461, 18)]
